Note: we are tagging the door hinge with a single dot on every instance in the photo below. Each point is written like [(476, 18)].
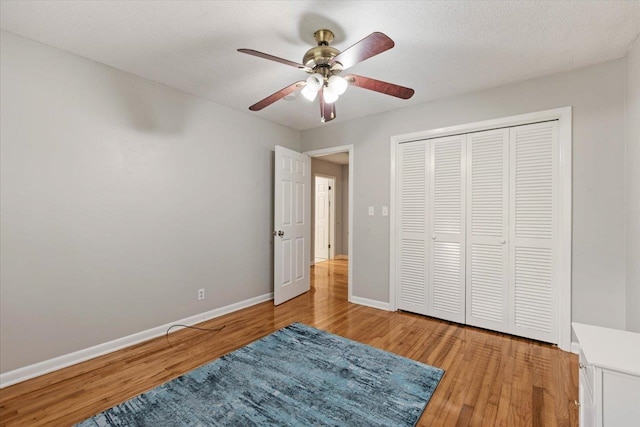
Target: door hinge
[(329, 245), (329, 187)]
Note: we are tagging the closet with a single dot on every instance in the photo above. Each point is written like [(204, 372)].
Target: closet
[(477, 229)]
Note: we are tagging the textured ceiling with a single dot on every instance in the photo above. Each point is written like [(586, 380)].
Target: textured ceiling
[(442, 48), (338, 158)]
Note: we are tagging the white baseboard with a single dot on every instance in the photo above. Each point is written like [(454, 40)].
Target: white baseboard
[(41, 368), (371, 303), (575, 348)]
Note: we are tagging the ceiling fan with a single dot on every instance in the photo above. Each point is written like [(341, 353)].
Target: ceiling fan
[(324, 63)]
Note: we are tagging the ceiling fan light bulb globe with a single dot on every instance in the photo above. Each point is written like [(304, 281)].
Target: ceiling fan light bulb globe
[(315, 82), (337, 84), (308, 93), (329, 96)]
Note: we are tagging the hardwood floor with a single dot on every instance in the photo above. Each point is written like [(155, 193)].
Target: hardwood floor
[(491, 379)]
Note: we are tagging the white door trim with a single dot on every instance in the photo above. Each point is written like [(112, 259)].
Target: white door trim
[(564, 117), (344, 149)]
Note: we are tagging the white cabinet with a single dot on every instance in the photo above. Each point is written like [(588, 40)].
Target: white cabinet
[(609, 377)]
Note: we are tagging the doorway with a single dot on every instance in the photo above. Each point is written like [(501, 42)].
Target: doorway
[(325, 218), (336, 163)]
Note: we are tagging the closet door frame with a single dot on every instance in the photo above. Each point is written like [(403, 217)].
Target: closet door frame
[(563, 207)]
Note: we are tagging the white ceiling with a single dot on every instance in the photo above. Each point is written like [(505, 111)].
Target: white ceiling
[(442, 48)]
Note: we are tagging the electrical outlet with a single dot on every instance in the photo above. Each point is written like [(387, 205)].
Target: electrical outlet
[(371, 211), (200, 294)]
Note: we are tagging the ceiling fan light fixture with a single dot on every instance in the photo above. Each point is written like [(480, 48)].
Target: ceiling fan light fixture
[(330, 96), (337, 85), (315, 82), (309, 93)]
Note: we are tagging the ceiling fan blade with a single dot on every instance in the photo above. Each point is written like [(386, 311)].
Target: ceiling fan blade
[(273, 58), (369, 46), (380, 86), (276, 96), (327, 110)]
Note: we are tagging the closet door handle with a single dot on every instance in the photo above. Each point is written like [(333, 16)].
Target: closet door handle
[(434, 237), (503, 241)]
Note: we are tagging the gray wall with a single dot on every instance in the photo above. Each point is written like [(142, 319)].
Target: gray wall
[(632, 181), (597, 95), (119, 199), (322, 167)]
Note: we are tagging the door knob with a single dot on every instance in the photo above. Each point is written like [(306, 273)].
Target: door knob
[(503, 241), (278, 233)]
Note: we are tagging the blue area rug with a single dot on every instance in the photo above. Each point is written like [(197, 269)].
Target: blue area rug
[(297, 376)]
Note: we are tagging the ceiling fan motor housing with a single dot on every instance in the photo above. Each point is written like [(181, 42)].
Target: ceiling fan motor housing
[(318, 58)]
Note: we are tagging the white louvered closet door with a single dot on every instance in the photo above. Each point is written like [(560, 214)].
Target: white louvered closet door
[(412, 239), (487, 230), (446, 208), (533, 231)]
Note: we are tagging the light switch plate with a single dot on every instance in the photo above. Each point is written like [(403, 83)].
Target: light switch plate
[(385, 211), (371, 211)]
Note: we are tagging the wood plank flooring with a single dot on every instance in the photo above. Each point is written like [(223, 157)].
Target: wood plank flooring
[(491, 379)]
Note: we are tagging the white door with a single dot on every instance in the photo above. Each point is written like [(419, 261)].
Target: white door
[(411, 257), (322, 218), (446, 207), (533, 231), (487, 230), (292, 229), (477, 238)]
